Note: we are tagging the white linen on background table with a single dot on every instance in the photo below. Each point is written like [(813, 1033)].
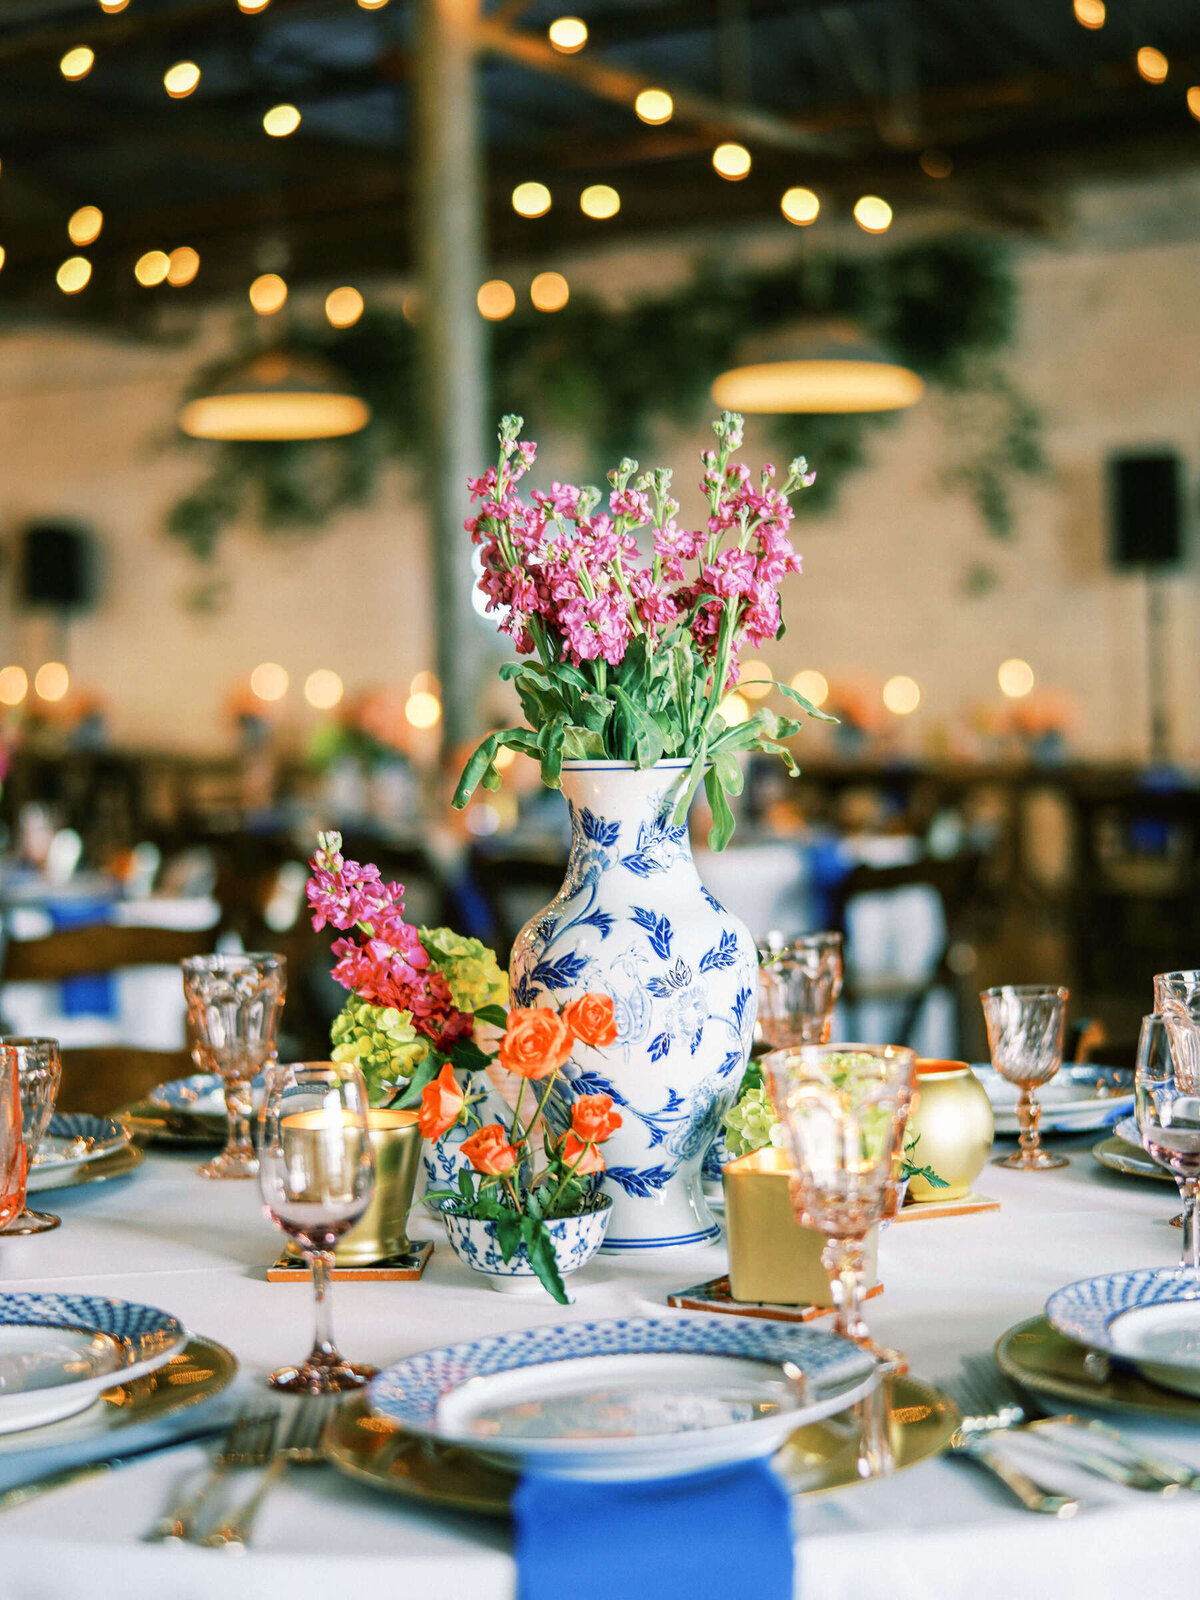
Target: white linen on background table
[(952, 1285)]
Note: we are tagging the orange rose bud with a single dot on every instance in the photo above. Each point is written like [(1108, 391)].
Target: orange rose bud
[(591, 1019), (441, 1104), (489, 1151), (535, 1043), (593, 1117), (577, 1154)]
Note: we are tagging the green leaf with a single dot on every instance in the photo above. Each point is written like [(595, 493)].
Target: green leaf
[(540, 1249), (721, 831), (552, 753), (466, 1054), (729, 771), (466, 1185), (474, 770), (583, 744), (695, 773), (807, 705), (510, 1229), (781, 750), (425, 1073), (496, 1015), (647, 735)]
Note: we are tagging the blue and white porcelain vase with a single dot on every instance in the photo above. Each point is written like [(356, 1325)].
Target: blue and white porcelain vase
[(633, 920)]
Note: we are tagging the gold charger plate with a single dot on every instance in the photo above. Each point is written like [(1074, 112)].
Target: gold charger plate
[(184, 1129), (114, 1165), (1036, 1356), (815, 1459), (1120, 1156)]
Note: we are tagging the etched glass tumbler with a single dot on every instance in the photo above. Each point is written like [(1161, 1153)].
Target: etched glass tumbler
[(1025, 1036), (233, 1006), (798, 988), (1177, 1002), (38, 1068), (1168, 1119)]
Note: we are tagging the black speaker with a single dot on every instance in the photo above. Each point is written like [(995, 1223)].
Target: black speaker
[(58, 566), (1146, 509)]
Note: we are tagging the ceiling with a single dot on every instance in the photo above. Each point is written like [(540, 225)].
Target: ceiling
[(842, 98)]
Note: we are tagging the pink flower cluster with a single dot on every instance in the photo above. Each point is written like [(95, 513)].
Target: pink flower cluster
[(388, 965), (569, 578)]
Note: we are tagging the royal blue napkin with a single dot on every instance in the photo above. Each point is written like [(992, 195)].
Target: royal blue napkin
[(674, 1537)]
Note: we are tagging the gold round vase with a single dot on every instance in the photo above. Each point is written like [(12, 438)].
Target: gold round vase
[(952, 1120), (382, 1230)]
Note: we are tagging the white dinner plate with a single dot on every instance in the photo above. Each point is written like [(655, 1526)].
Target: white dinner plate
[(1078, 1099), (202, 1094), (1150, 1317), (625, 1399), (71, 1139), (59, 1352)]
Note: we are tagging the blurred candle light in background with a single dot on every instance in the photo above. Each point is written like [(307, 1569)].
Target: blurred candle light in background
[(343, 307), (323, 689), (732, 161), (113, 6), (1152, 64), (568, 34), (77, 63), (800, 205), (549, 291), (253, 7), (901, 695), (85, 224), (734, 709), (872, 214), (182, 266), (14, 686), (755, 679), (496, 299), (935, 164), (600, 200), (813, 685), (74, 274), (152, 268), (2, 255), (279, 121), (1015, 678), (268, 294), (52, 680), (269, 681), (372, 5), (1193, 101), (181, 80), (504, 758), (1090, 13), (531, 200), (654, 106), (423, 709)]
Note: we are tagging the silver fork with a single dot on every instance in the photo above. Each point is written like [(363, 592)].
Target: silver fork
[(248, 1443), (1131, 1467), (301, 1443), (970, 1440)]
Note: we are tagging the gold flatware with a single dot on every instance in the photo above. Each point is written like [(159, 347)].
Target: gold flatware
[(98, 1170), (301, 1444), (21, 1493), (248, 1443), (973, 1441)]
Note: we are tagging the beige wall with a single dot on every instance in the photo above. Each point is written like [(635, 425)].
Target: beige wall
[(1110, 350)]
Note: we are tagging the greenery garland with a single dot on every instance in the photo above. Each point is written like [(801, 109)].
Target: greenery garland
[(947, 309)]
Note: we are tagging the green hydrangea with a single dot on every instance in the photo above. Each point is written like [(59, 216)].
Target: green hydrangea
[(751, 1123), (381, 1042), (469, 967)]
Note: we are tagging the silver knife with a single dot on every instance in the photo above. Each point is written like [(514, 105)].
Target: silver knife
[(20, 1493)]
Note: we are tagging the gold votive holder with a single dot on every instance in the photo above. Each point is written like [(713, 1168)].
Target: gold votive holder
[(773, 1259), (952, 1121), (382, 1230)]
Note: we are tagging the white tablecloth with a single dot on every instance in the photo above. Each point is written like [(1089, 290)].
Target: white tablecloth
[(938, 1530)]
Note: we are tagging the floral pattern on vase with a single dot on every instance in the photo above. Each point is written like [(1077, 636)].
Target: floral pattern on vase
[(576, 1239), (633, 920)]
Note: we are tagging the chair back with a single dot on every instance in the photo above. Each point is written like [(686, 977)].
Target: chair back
[(81, 952), (103, 1079)]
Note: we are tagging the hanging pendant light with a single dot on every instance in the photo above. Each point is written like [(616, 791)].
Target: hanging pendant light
[(277, 396), (817, 367)]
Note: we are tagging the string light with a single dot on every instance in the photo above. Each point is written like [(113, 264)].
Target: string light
[(1193, 102), (113, 6), (901, 695), (423, 710), (549, 291), (755, 680), (531, 199), (51, 680), (182, 266), (734, 709), (1090, 13), (268, 294), (281, 120), (323, 689), (180, 80), (151, 269), (253, 7), (935, 164), (600, 200), (14, 686), (1152, 64), (269, 681), (77, 63), (1015, 678), (85, 224), (800, 205), (568, 34), (3, 255), (410, 310), (654, 106), (496, 300), (504, 758), (343, 307), (74, 274), (372, 5), (872, 214), (813, 685), (732, 161)]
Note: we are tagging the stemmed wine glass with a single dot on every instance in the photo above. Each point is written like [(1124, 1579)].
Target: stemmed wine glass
[(843, 1109), (1168, 1118), (38, 1069), (798, 987), (233, 1006), (1025, 1025), (14, 1158), (317, 1174)]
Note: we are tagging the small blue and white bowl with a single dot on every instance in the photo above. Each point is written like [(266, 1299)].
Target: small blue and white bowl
[(576, 1240)]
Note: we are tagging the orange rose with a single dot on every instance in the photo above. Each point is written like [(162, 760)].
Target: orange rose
[(441, 1103), (489, 1151), (591, 1019), (593, 1117), (535, 1042), (578, 1154)]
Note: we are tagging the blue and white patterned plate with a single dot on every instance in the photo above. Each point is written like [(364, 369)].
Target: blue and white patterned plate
[(1150, 1317), (1078, 1099), (59, 1352), (71, 1139), (202, 1094), (628, 1398)]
